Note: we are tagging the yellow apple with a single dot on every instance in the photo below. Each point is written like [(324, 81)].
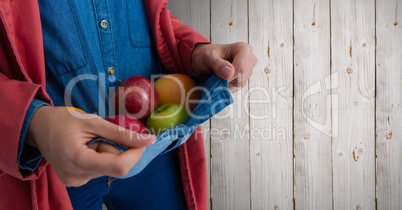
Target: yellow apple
[(178, 89)]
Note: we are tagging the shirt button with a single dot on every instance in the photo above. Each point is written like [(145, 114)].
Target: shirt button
[(104, 24), (111, 70)]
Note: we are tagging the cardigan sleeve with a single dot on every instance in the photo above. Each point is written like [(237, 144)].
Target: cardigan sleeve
[(22, 79), (187, 38), (15, 101)]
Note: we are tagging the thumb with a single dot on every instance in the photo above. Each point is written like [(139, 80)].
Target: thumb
[(223, 68)]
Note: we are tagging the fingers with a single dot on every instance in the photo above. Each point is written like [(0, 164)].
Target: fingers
[(74, 162), (243, 61), (102, 159), (104, 147), (223, 68), (233, 62), (120, 135), (98, 164), (115, 165), (243, 73), (237, 84)]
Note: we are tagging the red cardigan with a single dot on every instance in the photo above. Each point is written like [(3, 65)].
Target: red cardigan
[(22, 78)]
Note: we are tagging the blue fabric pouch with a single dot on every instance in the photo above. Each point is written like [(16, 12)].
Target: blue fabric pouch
[(214, 99)]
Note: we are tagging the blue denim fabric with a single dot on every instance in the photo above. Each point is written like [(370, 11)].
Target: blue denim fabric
[(78, 53), (158, 186), (214, 100), (29, 157)]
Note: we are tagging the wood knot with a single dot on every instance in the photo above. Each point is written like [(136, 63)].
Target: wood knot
[(230, 23), (389, 136), (350, 50), (224, 136), (356, 153), (313, 23), (268, 51), (267, 70), (349, 70)]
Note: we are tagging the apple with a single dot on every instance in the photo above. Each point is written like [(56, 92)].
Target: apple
[(72, 108), (178, 89), (166, 116), (129, 122), (136, 96)]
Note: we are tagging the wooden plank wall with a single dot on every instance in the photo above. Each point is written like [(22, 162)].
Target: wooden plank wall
[(271, 104), (312, 112), (389, 104), (319, 124), (353, 60), (230, 164)]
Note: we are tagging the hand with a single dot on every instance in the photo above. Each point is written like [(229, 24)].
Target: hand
[(233, 62), (62, 138)]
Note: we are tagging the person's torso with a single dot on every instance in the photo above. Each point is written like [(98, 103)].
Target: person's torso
[(91, 47)]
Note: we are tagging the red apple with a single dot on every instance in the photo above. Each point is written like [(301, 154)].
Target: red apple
[(136, 96), (129, 122)]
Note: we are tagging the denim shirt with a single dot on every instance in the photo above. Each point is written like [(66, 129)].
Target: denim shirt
[(90, 46)]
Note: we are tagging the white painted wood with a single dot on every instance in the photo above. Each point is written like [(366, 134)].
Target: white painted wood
[(195, 13), (230, 169), (353, 68), (271, 104), (312, 109), (389, 104), (330, 172)]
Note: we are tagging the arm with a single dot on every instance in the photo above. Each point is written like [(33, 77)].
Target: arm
[(61, 136), (29, 156), (233, 62), (184, 50), (186, 41), (15, 100), (19, 85)]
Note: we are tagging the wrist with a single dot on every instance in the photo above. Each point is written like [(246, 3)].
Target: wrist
[(35, 124)]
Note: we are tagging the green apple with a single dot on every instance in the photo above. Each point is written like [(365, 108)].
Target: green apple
[(166, 116)]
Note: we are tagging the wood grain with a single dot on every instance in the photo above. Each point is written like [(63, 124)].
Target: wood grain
[(389, 104), (312, 112), (271, 104), (230, 174), (353, 70)]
